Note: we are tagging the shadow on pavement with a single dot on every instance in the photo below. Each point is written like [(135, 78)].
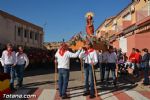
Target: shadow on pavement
[(50, 69), (122, 86), (38, 83), (37, 71)]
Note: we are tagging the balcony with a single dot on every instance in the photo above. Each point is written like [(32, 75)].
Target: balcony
[(111, 32), (119, 29), (126, 24), (143, 15), (102, 33), (112, 38)]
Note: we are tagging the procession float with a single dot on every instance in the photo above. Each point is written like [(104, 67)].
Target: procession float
[(79, 39), (4, 84)]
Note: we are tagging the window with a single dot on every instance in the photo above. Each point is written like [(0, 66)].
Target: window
[(114, 27), (98, 31), (19, 31), (36, 36), (25, 33), (148, 8), (106, 34), (127, 17), (31, 35)]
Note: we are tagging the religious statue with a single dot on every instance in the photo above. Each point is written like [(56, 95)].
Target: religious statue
[(89, 24)]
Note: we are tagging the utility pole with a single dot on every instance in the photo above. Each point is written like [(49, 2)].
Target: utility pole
[(44, 30), (63, 40), (44, 26)]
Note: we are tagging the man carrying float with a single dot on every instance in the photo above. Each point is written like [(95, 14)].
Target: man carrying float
[(90, 59), (63, 59)]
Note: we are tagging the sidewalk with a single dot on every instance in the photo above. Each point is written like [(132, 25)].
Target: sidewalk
[(138, 81)]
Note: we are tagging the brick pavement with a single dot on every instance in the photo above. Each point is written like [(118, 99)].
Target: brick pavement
[(42, 85)]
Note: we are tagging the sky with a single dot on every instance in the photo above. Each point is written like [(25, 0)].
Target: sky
[(62, 18)]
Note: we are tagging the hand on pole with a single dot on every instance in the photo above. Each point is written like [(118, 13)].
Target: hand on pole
[(55, 61), (92, 63)]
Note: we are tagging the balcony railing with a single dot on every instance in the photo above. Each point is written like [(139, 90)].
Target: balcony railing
[(143, 12), (126, 24), (112, 37), (119, 28)]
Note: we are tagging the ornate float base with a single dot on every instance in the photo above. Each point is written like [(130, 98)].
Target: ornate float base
[(4, 84)]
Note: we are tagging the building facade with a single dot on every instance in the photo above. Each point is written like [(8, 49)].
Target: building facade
[(128, 29), (19, 32)]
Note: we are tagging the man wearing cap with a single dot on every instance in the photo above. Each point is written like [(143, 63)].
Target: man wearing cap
[(90, 58), (63, 59), (8, 61)]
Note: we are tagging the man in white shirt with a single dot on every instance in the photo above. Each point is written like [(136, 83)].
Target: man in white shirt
[(63, 59), (90, 58), (111, 65), (8, 61), (22, 62)]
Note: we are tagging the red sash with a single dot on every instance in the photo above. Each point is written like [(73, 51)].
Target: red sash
[(9, 52), (89, 51), (19, 53), (62, 52)]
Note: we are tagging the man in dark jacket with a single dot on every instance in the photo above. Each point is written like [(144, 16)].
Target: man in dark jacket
[(145, 63)]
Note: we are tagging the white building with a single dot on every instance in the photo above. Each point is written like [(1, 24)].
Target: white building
[(19, 32)]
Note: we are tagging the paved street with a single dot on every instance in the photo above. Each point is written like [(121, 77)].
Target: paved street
[(41, 83)]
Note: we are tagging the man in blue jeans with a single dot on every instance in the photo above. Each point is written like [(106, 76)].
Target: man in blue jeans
[(63, 59), (90, 58), (145, 63), (103, 63), (22, 62), (111, 65), (8, 61)]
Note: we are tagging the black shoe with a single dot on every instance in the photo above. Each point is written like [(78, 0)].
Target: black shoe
[(86, 93), (107, 84), (13, 89), (102, 80), (114, 83), (19, 85), (92, 96), (116, 86), (145, 84), (64, 96)]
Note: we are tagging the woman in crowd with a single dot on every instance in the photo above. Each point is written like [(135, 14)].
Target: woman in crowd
[(132, 59)]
